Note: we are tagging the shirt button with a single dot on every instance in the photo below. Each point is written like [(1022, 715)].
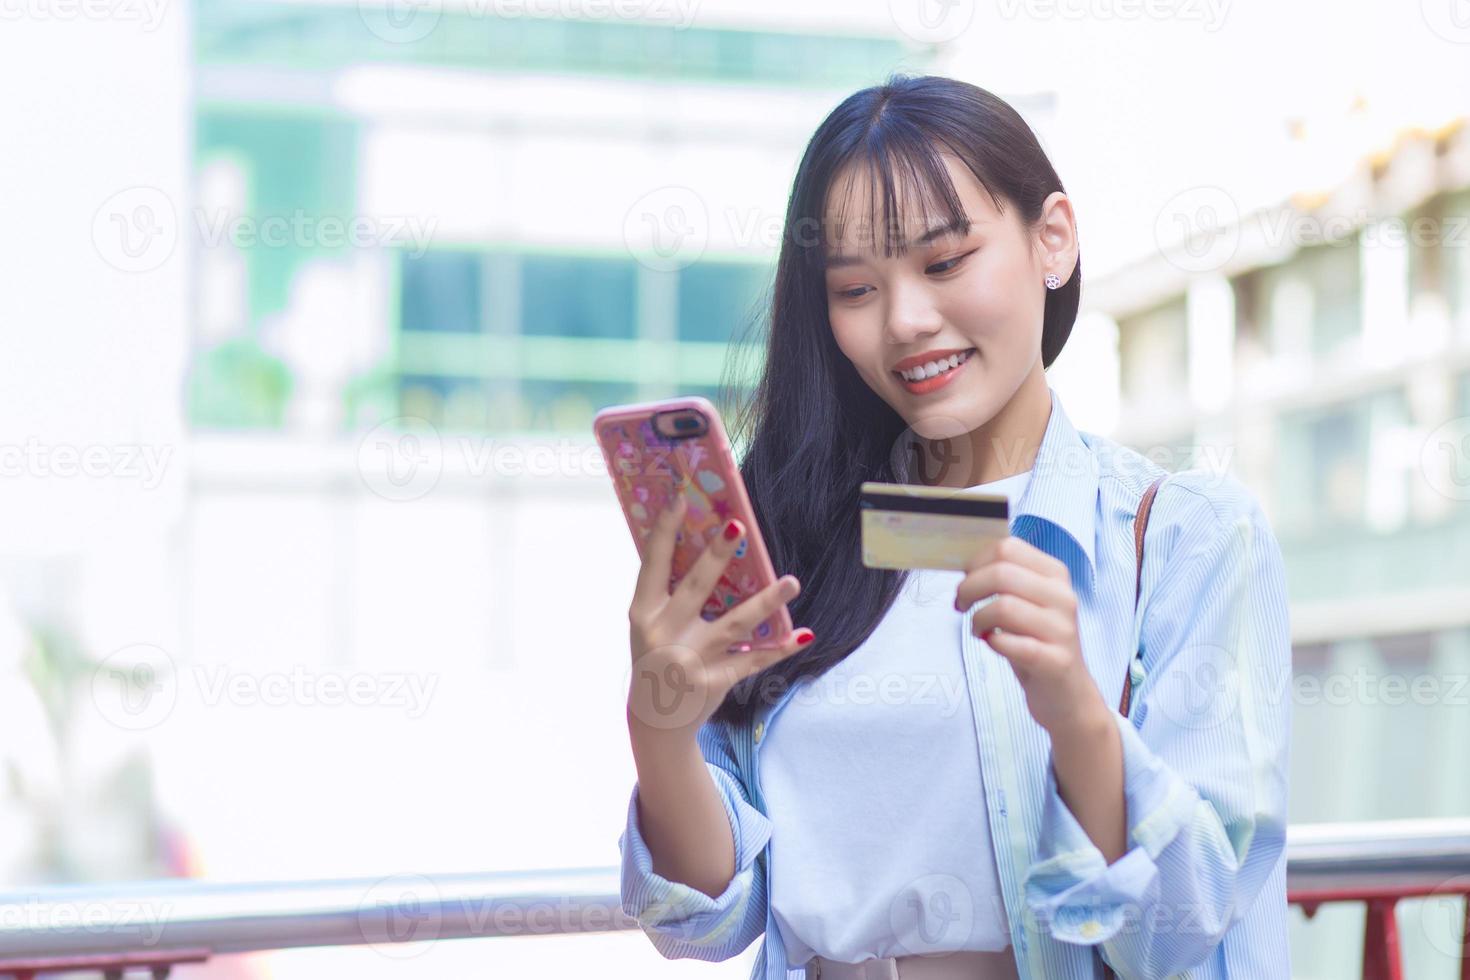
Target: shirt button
[(760, 729), (1091, 928)]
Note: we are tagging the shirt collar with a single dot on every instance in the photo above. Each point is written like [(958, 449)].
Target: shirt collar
[(1062, 494)]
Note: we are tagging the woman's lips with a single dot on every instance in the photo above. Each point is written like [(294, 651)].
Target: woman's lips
[(938, 381)]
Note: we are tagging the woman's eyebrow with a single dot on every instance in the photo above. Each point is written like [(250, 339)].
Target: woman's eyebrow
[(960, 226)]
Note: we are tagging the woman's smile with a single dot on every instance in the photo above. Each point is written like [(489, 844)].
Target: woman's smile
[(931, 375)]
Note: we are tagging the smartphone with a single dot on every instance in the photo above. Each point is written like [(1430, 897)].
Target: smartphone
[(657, 449)]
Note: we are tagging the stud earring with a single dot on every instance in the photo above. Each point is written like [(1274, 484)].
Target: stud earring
[(1052, 280)]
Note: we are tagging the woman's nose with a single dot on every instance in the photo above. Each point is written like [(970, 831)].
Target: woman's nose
[(911, 314)]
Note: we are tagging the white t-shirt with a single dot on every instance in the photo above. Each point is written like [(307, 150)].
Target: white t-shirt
[(880, 842)]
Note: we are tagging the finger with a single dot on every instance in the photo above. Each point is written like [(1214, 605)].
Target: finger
[(688, 597), (1020, 551), (744, 616), (1020, 650), (755, 661), (1016, 615), (652, 589), (1014, 579)]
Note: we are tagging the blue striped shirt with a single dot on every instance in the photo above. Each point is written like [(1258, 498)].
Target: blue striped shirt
[(1201, 890)]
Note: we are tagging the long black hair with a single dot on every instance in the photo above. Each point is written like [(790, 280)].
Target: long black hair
[(813, 429)]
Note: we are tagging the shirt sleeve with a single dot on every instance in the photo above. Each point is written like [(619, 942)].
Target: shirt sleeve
[(684, 922), (1205, 758)]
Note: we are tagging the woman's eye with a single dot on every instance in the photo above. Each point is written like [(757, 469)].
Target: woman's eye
[(853, 293), (948, 264)]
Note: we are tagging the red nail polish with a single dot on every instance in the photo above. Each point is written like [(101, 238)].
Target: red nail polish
[(732, 531), (804, 636), (988, 634)]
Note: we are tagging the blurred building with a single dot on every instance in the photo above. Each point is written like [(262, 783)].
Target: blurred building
[(553, 214), (1320, 351)]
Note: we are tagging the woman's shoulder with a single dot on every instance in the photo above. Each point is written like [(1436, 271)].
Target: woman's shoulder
[(1200, 497)]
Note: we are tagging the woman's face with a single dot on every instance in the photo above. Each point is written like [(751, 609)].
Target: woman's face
[(973, 295)]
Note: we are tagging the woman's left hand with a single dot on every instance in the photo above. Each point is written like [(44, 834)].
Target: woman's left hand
[(1035, 610)]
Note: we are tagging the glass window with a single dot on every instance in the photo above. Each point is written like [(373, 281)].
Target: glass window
[(1153, 356), (578, 296), (441, 292), (1337, 454), (1334, 273), (722, 301), (567, 406), (1455, 250)]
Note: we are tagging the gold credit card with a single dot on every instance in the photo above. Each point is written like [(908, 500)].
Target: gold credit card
[(913, 526)]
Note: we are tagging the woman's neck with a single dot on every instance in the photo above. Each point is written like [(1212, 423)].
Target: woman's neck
[(1007, 444)]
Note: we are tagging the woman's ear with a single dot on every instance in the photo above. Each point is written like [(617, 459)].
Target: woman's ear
[(1057, 236)]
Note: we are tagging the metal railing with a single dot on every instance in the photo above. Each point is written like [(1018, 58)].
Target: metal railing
[(151, 926)]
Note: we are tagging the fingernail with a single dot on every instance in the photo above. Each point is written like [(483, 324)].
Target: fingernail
[(988, 634), (789, 585), (732, 531), (804, 636)]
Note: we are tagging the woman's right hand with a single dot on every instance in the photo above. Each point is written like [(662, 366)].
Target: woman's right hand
[(682, 669)]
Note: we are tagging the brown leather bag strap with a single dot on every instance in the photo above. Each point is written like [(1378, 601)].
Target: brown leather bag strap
[(1140, 526)]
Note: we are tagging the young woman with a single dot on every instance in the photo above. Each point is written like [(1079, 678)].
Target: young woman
[(931, 779)]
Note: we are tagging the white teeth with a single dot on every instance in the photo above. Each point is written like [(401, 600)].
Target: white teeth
[(931, 368)]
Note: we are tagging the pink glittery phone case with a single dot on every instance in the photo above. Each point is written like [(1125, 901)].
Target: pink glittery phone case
[(648, 468)]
